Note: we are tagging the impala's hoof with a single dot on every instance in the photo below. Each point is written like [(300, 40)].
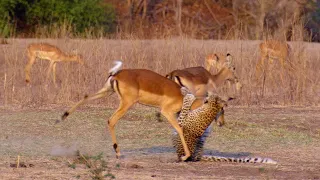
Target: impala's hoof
[(184, 158), (118, 156), (65, 115)]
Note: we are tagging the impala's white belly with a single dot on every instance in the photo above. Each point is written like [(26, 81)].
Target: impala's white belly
[(46, 55)]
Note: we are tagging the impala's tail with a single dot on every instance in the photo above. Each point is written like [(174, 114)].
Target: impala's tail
[(107, 89), (115, 68), (238, 160)]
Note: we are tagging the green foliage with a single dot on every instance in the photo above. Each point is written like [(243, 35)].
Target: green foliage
[(83, 15), (8, 9)]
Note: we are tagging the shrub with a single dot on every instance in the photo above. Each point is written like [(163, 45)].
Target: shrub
[(83, 15)]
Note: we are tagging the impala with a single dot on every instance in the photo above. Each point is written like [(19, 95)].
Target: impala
[(48, 52), (140, 86), (199, 81)]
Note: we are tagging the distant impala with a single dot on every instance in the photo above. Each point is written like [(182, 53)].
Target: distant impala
[(48, 52)]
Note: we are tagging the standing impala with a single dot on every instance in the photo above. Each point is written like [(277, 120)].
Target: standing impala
[(200, 81), (140, 86), (50, 53)]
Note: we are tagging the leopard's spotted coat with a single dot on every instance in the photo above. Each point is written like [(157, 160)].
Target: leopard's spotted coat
[(194, 124)]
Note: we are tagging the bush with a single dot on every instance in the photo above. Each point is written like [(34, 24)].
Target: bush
[(26, 15), (9, 9)]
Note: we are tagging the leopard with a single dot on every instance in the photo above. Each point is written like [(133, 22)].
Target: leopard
[(194, 123)]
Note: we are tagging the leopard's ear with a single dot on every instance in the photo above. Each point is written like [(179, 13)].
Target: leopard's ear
[(225, 100), (185, 91)]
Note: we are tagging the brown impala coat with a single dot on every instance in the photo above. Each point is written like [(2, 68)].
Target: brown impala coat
[(145, 87)]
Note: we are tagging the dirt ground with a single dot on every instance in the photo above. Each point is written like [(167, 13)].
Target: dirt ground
[(289, 135)]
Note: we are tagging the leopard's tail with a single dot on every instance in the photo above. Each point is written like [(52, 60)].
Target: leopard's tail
[(238, 160)]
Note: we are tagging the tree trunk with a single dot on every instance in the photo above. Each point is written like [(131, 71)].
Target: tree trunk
[(178, 16)]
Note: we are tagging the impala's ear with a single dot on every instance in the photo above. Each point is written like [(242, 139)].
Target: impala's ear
[(216, 57), (226, 100), (229, 58)]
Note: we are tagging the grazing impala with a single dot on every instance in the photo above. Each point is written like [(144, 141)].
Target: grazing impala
[(50, 53), (140, 86)]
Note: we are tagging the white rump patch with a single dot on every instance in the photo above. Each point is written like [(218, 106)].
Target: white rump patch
[(116, 67)]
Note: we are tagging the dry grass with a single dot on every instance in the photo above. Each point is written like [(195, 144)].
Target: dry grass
[(301, 86)]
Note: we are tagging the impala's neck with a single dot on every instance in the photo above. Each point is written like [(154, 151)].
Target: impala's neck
[(67, 57), (207, 66), (219, 78)]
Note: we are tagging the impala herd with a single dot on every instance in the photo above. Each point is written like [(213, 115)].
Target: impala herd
[(149, 88)]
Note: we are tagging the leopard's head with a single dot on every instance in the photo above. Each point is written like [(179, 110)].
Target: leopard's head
[(217, 103)]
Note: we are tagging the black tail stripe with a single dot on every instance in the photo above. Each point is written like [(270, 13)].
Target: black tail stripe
[(179, 81), (118, 89), (111, 83)]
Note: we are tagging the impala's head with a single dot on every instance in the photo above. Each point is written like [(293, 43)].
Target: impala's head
[(214, 60), (230, 72), (77, 57)]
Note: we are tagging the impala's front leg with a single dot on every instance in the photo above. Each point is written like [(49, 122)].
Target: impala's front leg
[(123, 108), (172, 120), (49, 70), (27, 69)]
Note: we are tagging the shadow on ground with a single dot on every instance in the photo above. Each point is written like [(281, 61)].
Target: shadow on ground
[(161, 149)]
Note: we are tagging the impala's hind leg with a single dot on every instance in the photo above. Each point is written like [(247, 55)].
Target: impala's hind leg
[(54, 73), (172, 120), (49, 70), (122, 109)]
